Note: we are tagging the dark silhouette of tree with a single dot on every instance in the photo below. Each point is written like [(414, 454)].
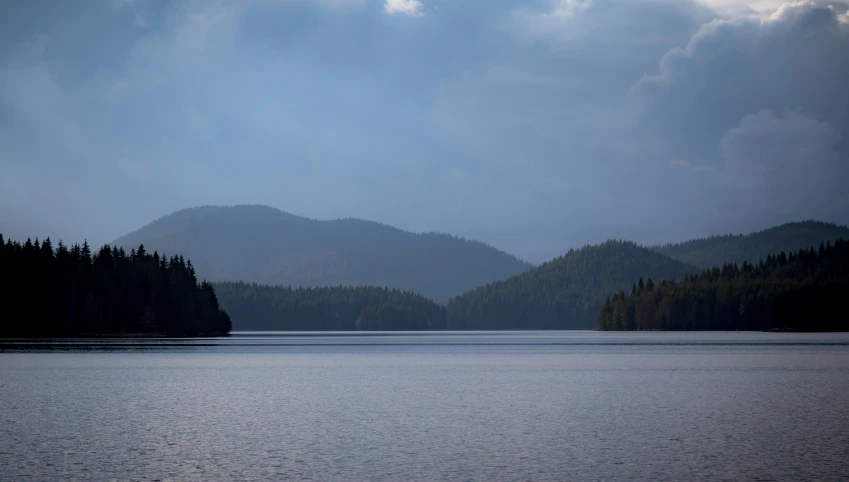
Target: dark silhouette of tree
[(74, 292), (802, 291)]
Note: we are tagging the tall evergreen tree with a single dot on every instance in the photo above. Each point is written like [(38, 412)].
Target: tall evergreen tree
[(74, 292)]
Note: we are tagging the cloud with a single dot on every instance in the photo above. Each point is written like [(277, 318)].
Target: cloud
[(794, 59), (786, 164), (568, 8), (541, 125), (763, 8), (411, 8), (768, 150)]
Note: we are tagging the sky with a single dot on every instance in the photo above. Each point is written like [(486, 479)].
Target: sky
[(534, 126)]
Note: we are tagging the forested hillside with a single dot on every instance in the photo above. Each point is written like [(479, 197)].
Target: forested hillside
[(736, 249), (565, 293), (265, 245), (72, 291), (278, 308), (803, 291)]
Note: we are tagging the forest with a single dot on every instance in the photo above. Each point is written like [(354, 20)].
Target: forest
[(565, 293), (71, 292), (801, 291), (280, 308)]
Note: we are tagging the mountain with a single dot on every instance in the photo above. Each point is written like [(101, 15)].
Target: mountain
[(336, 308), (802, 291), (565, 293), (735, 249), (265, 245)]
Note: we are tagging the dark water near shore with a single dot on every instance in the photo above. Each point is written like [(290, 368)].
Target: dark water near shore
[(468, 406)]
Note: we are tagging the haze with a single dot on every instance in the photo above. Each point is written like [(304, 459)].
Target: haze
[(533, 126)]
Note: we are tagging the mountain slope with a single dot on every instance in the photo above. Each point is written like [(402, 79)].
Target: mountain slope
[(735, 249), (265, 245), (565, 293)]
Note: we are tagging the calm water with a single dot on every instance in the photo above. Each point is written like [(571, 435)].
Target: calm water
[(474, 406)]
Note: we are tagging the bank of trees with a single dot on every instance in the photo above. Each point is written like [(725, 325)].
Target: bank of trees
[(280, 308), (805, 291), (72, 291)]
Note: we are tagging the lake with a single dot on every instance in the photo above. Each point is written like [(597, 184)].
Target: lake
[(428, 406)]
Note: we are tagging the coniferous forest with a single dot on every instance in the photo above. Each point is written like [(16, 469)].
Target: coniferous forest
[(802, 291), (279, 308), (70, 291), (562, 294)]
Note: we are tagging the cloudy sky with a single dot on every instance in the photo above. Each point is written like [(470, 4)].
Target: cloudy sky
[(532, 125)]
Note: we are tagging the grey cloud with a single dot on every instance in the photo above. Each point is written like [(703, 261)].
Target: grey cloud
[(524, 124), (786, 164), (795, 59)]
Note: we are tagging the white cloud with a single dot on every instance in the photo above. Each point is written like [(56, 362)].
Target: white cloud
[(558, 22), (406, 7), (568, 8), (764, 8)]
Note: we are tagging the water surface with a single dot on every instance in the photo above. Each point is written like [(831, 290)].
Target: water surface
[(437, 406)]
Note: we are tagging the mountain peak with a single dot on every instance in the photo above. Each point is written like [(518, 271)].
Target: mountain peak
[(263, 244)]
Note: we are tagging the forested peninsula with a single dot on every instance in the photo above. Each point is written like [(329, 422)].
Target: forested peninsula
[(801, 291), (72, 292), (335, 308)]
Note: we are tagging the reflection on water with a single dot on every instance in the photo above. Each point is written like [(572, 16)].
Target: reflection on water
[(456, 338), (455, 406)]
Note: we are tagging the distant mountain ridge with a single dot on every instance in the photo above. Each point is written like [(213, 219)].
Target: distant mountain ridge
[(565, 293), (256, 243), (735, 249)]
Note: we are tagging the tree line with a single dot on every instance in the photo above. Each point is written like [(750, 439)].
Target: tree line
[(736, 249), (334, 308), (801, 291), (71, 291)]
